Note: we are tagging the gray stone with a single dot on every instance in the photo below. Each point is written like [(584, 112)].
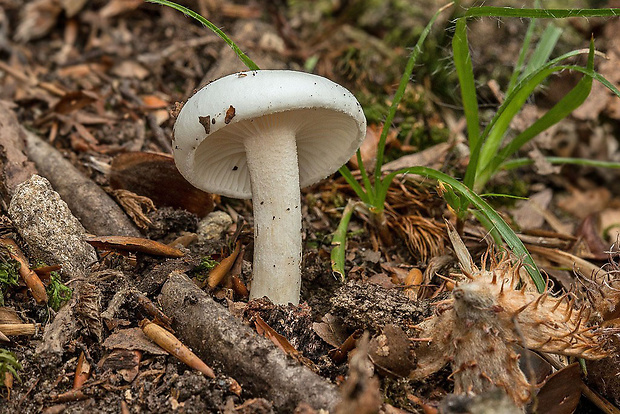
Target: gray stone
[(45, 222), (213, 226)]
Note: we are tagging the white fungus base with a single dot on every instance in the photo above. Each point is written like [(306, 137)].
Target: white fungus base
[(274, 175)]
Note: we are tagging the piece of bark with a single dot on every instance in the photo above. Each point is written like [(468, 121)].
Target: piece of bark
[(14, 165), (45, 222), (221, 340), (98, 213)]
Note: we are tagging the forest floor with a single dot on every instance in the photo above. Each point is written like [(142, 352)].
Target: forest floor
[(100, 80)]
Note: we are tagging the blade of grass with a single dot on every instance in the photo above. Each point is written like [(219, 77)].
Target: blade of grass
[(465, 72), (516, 74), (242, 56), (495, 221), (367, 184), (571, 101), (497, 238), (339, 241), (359, 190), (400, 91), (521, 162), (495, 131), (543, 50), (490, 11)]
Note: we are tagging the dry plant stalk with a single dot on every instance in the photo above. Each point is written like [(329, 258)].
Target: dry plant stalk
[(487, 318), (174, 347), (31, 279), (18, 329)]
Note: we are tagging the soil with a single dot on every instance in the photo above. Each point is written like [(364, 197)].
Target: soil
[(97, 79)]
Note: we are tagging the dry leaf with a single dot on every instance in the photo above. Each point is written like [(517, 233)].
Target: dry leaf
[(155, 176)]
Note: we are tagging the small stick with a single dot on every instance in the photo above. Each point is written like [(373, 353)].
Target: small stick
[(174, 347), (153, 311), (71, 395), (18, 329), (32, 280)]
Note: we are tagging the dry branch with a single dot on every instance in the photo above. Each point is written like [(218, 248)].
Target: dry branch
[(215, 335), (98, 213)]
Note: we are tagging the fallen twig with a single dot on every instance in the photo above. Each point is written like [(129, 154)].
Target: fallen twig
[(260, 367), (18, 329), (96, 210)]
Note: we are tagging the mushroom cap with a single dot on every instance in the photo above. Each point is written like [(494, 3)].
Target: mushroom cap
[(326, 119)]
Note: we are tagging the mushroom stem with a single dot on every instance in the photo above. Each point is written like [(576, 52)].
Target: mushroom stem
[(274, 176)]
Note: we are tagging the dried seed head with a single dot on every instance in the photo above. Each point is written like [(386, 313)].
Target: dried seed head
[(489, 316)]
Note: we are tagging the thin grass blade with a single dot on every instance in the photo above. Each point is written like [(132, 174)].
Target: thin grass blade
[(400, 92), (465, 72), (490, 11), (359, 190), (339, 242), (518, 70), (571, 101), (521, 162), (543, 50)]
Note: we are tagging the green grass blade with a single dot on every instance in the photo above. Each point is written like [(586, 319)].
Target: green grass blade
[(367, 184), (571, 101), (359, 190), (490, 11), (497, 238), (518, 70), (339, 242), (495, 221), (242, 56), (543, 50), (400, 91), (521, 162), (494, 132), (465, 72)]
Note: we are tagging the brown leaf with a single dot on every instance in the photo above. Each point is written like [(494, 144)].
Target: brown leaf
[(125, 362), (116, 7), (37, 18), (132, 339), (368, 149), (561, 392), (155, 176), (583, 203), (133, 244), (73, 101), (8, 315)]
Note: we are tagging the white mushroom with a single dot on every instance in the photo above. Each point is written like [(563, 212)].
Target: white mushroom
[(260, 135)]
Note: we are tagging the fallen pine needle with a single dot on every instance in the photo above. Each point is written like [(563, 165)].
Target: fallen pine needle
[(82, 372), (174, 347), (217, 274)]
